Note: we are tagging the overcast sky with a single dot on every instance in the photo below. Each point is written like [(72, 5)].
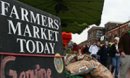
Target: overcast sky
[(113, 11)]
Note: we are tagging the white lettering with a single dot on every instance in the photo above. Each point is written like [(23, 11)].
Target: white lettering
[(27, 31), (50, 35), (56, 24), (52, 45), (13, 28), (34, 19), (50, 22), (43, 35), (21, 44), (44, 18), (47, 49), (14, 12), (4, 7), (56, 35), (24, 15), (32, 47), (36, 32), (39, 47)]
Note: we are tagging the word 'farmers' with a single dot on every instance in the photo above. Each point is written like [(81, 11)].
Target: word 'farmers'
[(20, 13)]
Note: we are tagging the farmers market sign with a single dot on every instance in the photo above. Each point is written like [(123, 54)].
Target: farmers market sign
[(30, 41), (24, 29)]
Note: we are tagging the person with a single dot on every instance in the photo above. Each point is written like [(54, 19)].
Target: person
[(75, 48), (93, 49), (104, 54), (85, 49), (124, 48), (114, 53)]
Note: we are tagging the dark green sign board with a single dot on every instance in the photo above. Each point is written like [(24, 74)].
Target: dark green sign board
[(29, 40)]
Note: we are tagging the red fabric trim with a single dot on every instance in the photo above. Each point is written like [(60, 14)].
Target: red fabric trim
[(36, 55)]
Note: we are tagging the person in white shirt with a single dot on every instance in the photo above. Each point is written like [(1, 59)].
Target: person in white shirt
[(94, 49)]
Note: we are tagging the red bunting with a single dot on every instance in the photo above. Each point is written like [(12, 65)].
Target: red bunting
[(66, 37)]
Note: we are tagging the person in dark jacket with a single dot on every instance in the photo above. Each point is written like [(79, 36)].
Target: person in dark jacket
[(104, 54), (85, 49), (114, 53)]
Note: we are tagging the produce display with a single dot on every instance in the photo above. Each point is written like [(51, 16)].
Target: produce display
[(86, 65)]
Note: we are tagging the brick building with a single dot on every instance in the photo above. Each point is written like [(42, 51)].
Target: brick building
[(95, 33), (110, 31), (113, 30)]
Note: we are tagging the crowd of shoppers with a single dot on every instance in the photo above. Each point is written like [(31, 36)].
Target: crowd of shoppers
[(108, 55), (114, 56)]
